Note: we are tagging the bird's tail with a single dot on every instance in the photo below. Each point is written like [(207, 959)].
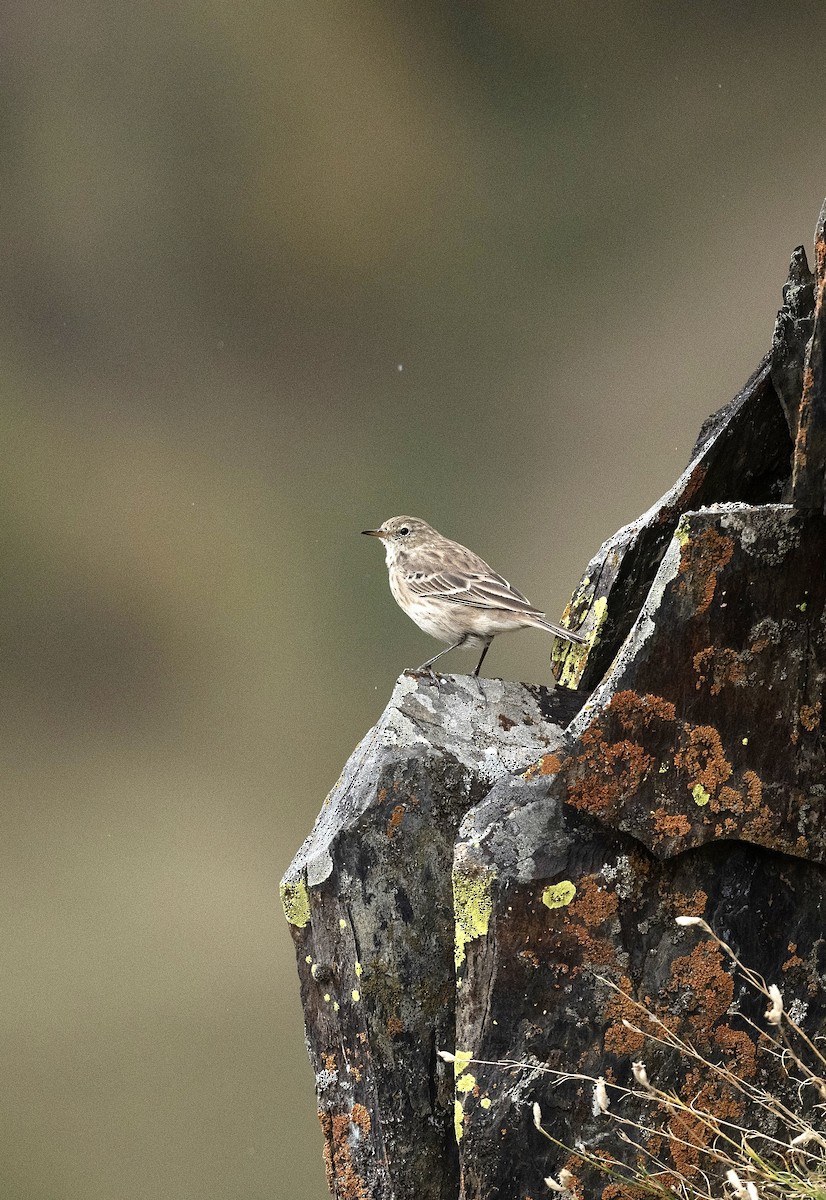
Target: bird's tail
[(568, 634)]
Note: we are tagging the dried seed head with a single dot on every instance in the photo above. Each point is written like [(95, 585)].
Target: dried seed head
[(566, 1178), (446, 1056), (684, 921), (736, 1184), (752, 1192), (537, 1115), (553, 1185), (774, 1012), (601, 1102), (640, 1074)]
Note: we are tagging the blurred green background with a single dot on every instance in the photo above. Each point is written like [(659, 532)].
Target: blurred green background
[(274, 272)]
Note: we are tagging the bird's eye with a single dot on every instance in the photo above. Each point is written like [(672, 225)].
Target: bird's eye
[(403, 532)]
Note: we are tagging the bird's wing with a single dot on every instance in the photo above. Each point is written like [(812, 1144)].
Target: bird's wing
[(478, 589)]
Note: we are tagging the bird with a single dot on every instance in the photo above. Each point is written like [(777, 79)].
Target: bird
[(450, 592)]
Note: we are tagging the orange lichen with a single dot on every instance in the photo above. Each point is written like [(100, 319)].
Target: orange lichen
[(685, 905), (575, 1184), (361, 1117), (670, 824), (700, 756), (343, 1179), (624, 1191), (702, 559), (395, 1026), (688, 1138), (597, 952), (690, 1134), (618, 1039), (396, 818), (611, 772), (530, 957), (721, 665), (634, 711), (737, 1044), (728, 799), (548, 764), (594, 903), (754, 789), (810, 716), (701, 973)]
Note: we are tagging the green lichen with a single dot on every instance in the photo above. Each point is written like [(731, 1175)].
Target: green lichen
[(701, 796), (458, 1119), (571, 657), (559, 894), (295, 900), (461, 1059), (472, 907), (681, 533)]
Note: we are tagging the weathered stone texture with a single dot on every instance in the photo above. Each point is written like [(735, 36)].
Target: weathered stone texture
[(499, 868), (370, 905), (809, 479)]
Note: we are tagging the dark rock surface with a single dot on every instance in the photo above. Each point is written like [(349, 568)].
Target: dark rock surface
[(369, 901), (707, 732), (809, 480)]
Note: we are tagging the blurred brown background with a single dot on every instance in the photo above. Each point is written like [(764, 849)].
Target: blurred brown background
[(272, 273)]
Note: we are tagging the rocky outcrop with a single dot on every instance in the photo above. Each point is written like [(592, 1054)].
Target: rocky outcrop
[(498, 870)]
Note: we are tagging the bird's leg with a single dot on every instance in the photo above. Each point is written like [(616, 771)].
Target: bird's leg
[(482, 657), (428, 666)]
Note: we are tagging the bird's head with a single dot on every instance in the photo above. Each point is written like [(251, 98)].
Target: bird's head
[(401, 534)]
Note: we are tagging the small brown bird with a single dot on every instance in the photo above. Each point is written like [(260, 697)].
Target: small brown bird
[(450, 592)]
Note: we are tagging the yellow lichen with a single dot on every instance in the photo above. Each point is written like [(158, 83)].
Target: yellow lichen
[(557, 895), (295, 900), (458, 1119), (461, 1059), (472, 907)]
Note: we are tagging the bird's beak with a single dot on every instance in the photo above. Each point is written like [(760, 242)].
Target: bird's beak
[(374, 533)]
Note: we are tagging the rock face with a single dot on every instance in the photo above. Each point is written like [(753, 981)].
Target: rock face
[(370, 904), (700, 751), (498, 870)]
